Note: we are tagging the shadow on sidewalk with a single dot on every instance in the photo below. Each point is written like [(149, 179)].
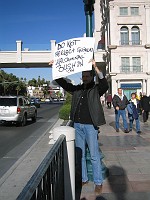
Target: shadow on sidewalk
[(117, 182), (78, 172)]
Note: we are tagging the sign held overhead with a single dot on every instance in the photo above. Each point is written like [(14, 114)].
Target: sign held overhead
[(72, 56)]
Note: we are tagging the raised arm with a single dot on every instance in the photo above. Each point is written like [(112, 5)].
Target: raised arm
[(102, 82)]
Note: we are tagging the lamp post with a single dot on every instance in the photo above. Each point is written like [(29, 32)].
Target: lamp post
[(89, 8)]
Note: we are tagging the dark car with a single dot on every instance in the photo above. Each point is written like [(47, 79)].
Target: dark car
[(35, 101)]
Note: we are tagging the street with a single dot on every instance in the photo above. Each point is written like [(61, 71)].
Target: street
[(15, 141)]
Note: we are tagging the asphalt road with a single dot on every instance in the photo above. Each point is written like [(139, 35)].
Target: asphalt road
[(15, 141)]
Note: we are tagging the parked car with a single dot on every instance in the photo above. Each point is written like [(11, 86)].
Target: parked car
[(35, 101), (48, 100), (17, 109)]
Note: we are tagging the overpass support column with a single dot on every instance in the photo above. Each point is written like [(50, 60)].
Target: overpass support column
[(19, 51)]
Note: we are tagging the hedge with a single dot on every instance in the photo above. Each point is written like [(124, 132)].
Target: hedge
[(64, 112)]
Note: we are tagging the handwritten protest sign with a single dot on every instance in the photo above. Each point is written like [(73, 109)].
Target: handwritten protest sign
[(72, 56)]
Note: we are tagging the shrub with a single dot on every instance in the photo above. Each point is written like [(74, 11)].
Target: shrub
[(64, 112), (68, 98)]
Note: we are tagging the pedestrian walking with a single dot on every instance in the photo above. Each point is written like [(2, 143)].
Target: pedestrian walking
[(132, 108), (109, 100), (120, 103), (87, 114), (102, 99), (145, 106)]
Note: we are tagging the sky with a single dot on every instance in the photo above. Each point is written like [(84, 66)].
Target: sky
[(35, 23)]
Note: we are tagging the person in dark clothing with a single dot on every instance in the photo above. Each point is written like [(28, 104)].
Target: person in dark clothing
[(133, 114), (109, 100), (120, 102), (145, 106), (87, 114)]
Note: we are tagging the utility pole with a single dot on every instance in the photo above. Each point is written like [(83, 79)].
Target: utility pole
[(89, 8)]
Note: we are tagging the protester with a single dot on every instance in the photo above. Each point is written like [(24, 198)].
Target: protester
[(87, 114), (120, 102), (109, 100), (133, 113), (145, 106)]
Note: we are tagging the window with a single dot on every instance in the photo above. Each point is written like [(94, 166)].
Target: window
[(124, 34), (134, 11), (8, 101), (135, 35), (136, 62), (125, 64), (123, 11), (20, 102)]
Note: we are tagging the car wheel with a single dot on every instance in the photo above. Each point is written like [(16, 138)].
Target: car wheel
[(24, 121), (35, 116)]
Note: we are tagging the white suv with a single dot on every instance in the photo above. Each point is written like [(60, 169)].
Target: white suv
[(16, 109)]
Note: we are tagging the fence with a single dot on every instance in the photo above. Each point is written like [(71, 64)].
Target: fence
[(47, 183)]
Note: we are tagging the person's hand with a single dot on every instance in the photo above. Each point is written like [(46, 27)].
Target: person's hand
[(117, 108), (97, 70), (51, 62), (93, 62)]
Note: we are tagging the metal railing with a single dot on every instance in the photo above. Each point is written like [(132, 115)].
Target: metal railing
[(47, 183)]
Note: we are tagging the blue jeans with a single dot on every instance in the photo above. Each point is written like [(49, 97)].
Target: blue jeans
[(87, 134), (131, 120), (117, 117)]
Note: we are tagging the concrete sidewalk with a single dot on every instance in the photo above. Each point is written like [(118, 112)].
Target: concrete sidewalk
[(127, 155)]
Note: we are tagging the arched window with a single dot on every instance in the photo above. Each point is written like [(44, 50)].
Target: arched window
[(124, 35), (135, 35)]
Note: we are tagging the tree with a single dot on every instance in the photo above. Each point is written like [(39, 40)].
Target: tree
[(18, 88), (9, 84)]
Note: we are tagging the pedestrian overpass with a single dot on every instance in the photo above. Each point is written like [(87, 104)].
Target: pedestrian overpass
[(35, 59)]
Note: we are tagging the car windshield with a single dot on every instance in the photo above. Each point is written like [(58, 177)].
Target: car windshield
[(8, 101)]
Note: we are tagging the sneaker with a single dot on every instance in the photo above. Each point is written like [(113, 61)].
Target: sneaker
[(98, 189), (126, 131), (117, 130), (138, 132), (84, 183)]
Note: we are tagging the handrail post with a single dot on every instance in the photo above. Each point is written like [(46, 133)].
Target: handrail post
[(69, 162)]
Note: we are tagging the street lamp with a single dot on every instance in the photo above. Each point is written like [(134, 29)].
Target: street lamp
[(89, 8)]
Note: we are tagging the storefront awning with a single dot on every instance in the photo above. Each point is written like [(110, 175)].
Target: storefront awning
[(131, 85)]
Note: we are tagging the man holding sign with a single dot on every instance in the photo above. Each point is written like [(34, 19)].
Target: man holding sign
[(87, 114)]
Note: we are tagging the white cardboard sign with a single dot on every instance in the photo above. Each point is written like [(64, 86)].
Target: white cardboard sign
[(72, 56)]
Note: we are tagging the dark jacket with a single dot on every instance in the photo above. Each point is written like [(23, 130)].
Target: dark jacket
[(132, 111), (122, 104), (145, 103), (93, 97), (109, 98)]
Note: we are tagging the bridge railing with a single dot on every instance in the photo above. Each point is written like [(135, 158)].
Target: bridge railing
[(47, 183)]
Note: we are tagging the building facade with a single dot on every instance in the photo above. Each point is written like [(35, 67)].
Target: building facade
[(122, 33)]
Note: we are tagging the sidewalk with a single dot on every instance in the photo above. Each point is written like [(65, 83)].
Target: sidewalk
[(127, 156)]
